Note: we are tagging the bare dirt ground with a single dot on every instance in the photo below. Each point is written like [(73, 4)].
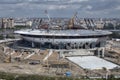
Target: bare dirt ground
[(20, 63)]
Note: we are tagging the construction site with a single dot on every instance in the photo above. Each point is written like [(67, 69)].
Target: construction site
[(69, 52), (52, 62)]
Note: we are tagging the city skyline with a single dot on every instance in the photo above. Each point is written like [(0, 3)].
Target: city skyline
[(60, 8)]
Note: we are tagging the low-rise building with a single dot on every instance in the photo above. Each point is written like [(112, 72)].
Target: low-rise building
[(23, 23)]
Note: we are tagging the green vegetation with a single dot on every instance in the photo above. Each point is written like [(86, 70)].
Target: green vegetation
[(11, 76), (115, 35), (10, 36), (15, 28), (109, 26), (20, 27), (118, 26), (1, 37)]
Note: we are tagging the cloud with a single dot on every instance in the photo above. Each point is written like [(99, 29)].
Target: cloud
[(63, 8)]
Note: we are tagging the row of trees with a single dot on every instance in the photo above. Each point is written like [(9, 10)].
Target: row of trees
[(8, 36), (15, 28), (10, 76), (110, 26)]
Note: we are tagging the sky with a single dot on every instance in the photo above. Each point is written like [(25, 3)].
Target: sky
[(60, 8)]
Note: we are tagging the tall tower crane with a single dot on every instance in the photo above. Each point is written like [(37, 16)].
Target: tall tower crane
[(72, 21)]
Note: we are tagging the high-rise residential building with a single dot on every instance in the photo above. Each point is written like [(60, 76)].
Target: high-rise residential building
[(4, 23), (7, 23), (10, 23)]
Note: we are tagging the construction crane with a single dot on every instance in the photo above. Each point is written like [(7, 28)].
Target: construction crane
[(87, 24), (72, 21), (39, 23), (90, 23), (33, 24), (49, 20), (94, 26)]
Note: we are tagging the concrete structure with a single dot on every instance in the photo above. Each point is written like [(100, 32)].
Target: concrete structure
[(92, 62), (66, 39)]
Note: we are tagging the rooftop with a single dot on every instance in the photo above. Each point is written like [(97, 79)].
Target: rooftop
[(63, 32)]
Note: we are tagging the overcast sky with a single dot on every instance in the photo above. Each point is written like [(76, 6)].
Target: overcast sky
[(60, 8)]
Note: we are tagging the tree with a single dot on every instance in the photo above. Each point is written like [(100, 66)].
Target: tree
[(108, 26)]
